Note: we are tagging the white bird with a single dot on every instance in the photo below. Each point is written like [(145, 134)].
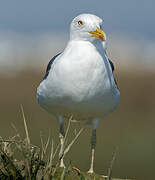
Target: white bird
[(79, 81)]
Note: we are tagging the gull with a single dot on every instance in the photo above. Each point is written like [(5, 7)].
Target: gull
[(79, 81)]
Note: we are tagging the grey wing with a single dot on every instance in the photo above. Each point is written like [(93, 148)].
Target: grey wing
[(49, 65)]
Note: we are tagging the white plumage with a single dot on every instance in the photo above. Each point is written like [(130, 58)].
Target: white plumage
[(80, 80)]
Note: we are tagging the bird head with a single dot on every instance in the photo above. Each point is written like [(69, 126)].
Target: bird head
[(87, 27)]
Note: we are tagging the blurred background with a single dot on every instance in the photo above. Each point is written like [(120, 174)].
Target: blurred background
[(31, 32)]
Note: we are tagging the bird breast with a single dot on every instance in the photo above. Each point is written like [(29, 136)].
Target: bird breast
[(85, 77)]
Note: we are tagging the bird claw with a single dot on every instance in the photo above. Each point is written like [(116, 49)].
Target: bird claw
[(62, 164), (104, 176), (91, 171)]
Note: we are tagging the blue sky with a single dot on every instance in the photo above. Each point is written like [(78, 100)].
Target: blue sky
[(134, 17), (32, 31)]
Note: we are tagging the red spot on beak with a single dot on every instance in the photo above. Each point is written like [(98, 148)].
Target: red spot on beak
[(101, 38)]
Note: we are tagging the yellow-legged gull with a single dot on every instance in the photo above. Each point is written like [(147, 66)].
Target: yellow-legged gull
[(79, 81)]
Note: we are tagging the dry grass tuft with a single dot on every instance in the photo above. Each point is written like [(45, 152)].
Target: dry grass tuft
[(19, 159)]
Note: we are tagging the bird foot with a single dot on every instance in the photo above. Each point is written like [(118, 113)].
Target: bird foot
[(104, 176), (62, 164), (91, 171)]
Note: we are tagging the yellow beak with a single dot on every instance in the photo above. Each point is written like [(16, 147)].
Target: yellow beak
[(99, 34)]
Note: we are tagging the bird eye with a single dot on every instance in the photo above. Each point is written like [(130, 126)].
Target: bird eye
[(80, 23)]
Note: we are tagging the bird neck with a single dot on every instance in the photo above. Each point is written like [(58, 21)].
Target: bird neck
[(100, 46)]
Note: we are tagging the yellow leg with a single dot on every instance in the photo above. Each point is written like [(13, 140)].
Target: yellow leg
[(93, 144), (91, 170), (61, 137)]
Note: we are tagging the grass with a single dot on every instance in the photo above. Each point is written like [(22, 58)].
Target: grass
[(19, 159)]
